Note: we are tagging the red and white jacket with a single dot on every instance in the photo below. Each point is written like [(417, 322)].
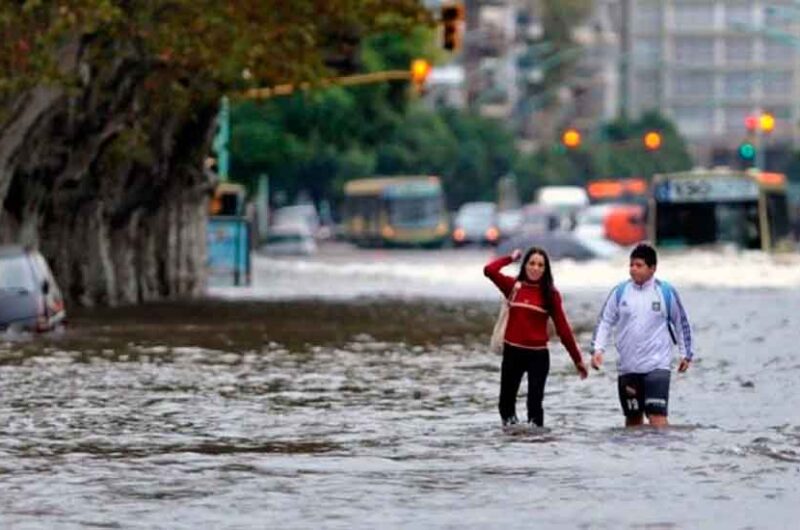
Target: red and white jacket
[(527, 316)]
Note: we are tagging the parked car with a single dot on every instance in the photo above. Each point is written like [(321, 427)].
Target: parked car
[(30, 299), (293, 239), (590, 222), (302, 214), (509, 222), (476, 222)]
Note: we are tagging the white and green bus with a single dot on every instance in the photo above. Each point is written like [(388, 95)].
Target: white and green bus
[(402, 211)]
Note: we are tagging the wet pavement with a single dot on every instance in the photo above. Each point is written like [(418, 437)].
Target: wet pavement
[(380, 411)]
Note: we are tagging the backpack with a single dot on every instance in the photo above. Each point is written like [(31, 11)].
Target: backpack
[(666, 292)]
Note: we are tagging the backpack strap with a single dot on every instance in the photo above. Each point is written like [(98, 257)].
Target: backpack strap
[(666, 292), (618, 290)]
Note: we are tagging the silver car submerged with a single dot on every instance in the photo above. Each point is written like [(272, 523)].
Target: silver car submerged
[(30, 299)]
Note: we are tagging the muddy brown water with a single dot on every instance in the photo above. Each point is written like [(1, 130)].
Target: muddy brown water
[(381, 412)]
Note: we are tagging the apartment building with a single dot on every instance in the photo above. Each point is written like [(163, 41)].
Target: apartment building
[(708, 64)]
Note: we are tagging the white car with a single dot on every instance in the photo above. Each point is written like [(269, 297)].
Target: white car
[(293, 239)]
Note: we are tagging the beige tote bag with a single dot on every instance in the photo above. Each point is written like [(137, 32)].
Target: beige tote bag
[(499, 331)]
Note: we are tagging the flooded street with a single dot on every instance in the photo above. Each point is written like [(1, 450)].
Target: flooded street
[(356, 390)]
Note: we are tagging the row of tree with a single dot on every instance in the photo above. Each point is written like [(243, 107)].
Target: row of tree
[(315, 142)]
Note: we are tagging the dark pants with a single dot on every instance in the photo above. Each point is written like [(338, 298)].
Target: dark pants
[(517, 361)]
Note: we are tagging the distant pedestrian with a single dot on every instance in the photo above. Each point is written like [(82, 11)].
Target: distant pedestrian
[(649, 317), (533, 300)]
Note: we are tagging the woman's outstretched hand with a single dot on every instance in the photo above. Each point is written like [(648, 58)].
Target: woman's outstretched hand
[(516, 254)]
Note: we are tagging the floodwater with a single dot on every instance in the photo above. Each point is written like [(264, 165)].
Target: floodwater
[(374, 405)]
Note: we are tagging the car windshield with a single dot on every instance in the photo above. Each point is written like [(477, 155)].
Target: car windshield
[(285, 238), (15, 273)]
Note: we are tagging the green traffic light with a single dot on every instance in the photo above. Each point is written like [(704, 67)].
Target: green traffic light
[(747, 151)]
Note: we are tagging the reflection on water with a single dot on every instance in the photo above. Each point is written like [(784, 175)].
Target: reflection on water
[(382, 413)]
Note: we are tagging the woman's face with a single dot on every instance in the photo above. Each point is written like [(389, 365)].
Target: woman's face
[(535, 267)]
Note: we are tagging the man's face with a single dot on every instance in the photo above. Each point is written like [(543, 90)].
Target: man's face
[(640, 271)]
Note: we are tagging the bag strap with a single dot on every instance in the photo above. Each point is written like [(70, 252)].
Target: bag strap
[(514, 290)]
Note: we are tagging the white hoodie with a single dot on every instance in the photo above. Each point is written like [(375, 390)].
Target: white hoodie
[(642, 335)]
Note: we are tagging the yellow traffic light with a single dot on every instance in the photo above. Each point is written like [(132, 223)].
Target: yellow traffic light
[(420, 69), (767, 122), (571, 138), (652, 140), (452, 23)]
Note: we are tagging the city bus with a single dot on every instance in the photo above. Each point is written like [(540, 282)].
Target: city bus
[(403, 211), (710, 206)]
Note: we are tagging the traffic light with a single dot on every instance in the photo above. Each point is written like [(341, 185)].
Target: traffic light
[(767, 122), (747, 151), (452, 21), (420, 69), (764, 121), (652, 140), (571, 138)]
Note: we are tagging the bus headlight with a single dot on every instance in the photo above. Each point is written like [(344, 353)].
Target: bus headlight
[(387, 232), (441, 229), (459, 235), (492, 234)]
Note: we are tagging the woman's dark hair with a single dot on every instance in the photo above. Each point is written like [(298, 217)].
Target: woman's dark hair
[(646, 253), (545, 282)]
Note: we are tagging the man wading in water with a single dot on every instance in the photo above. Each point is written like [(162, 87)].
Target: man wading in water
[(649, 318)]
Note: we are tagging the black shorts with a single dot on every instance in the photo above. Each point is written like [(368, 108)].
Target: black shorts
[(648, 393)]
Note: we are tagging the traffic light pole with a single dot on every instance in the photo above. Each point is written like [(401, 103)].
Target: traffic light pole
[(348, 80)]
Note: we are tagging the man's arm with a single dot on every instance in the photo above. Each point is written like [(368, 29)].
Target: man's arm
[(683, 330), (602, 332)]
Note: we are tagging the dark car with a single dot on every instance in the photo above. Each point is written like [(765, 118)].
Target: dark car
[(29, 297), (476, 222), (561, 244)]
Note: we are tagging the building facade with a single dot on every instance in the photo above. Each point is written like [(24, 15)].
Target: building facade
[(708, 64)]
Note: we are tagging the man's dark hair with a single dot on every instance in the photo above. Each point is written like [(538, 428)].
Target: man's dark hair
[(645, 252)]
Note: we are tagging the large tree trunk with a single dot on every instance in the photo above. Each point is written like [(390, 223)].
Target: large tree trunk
[(110, 189)]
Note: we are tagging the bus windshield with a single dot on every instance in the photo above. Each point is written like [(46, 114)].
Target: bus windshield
[(701, 207), (414, 211)]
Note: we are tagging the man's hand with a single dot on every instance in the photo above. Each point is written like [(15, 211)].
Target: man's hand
[(516, 254), (597, 359), (684, 365), (582, 371)]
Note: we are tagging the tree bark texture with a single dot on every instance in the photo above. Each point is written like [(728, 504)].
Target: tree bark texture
[(108, 184)]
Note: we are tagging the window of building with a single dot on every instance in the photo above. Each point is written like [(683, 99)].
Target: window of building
[(738, 84), (646, 50), (693, 16), (694, 50), (739, 50), (735, 118), (647, 18), (646, 89), (738, 15), (693, 84), (777, 83), (778, 52), (694, 120), (777, 16)]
